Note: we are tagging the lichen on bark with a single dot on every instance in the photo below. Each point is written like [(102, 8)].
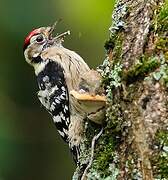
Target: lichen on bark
[(134, 144)]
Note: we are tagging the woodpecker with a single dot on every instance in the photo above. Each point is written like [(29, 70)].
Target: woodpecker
[(58, 71), (68, 89)]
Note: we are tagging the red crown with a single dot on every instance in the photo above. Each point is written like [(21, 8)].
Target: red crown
[(30, 35)]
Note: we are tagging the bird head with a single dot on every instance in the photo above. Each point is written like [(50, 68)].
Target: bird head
[(38, 40)]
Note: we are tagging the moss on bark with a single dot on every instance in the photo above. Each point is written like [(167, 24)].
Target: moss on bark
[(134, 144)]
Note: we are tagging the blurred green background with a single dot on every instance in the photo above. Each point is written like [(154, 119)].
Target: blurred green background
[(30, 148)]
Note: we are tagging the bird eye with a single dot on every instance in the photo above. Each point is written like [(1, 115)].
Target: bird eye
[(40, 38)]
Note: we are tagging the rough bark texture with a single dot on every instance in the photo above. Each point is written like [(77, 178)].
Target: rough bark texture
[(134, 144)]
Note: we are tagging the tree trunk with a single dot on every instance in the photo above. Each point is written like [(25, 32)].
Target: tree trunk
[(134, 143)]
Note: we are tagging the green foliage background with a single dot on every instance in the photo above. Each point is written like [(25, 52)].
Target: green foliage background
[(30, 148)]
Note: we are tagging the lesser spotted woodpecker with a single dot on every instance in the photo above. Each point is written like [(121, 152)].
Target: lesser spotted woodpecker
[(68, 89), (58, 71)]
